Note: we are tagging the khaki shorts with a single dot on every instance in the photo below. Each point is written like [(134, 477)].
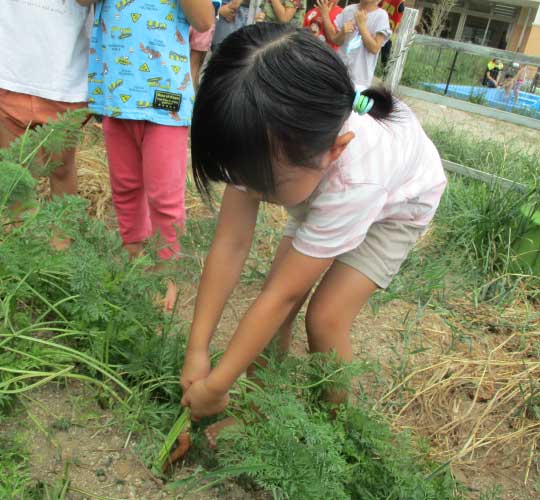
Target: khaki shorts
[(18, 111), (380, 255)]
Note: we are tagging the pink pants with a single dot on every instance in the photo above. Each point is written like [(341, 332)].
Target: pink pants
[(147, 165)]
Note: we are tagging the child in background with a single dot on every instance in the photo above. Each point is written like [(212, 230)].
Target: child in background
[(199, 45), (140, 81), (314, 21), (358, 175), (233, 15), (507, 85), (361, 32), (43, 72), (518, 80), (282, 11)]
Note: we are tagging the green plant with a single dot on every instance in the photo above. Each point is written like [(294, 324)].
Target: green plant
[(296, 448)]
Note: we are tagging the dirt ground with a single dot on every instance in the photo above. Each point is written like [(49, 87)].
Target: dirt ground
[(103, 459)]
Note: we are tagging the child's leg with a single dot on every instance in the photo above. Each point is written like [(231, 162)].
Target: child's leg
[(196, 62), (164, 157), (283, 336), (351, 280), (63, 179), (335, 304), (123, 139)]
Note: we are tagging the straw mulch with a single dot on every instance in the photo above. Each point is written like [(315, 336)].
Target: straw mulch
[(477, 398)]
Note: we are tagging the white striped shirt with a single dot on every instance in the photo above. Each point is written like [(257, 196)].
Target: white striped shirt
[(389, 171)]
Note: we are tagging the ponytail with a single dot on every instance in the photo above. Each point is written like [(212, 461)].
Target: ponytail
[(384, 104)]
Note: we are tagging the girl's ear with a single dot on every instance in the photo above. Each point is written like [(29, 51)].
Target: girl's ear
[(341, 142)]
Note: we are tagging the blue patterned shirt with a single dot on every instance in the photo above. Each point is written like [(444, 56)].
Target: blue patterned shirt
[(139, 62)]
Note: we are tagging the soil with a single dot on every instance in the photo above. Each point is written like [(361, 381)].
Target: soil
[(102, 459)]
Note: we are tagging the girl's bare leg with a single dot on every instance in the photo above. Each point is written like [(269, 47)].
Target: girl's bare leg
[(335, 304)]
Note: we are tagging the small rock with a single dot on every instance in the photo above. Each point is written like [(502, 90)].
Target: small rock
[(100, 473), (108, 461)]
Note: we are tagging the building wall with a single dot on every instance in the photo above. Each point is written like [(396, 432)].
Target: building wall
[(525, 29), (532, 43), (516, 34)]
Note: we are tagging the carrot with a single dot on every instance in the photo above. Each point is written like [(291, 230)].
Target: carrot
[(184, 442), (179, 429)]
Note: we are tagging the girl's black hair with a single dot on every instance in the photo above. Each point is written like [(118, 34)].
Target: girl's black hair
[(270, 92)]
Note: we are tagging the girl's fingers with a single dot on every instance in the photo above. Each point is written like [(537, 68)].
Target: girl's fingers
[(185, 400)]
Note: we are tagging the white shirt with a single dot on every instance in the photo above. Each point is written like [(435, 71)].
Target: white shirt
[(360, 61), (389, 171), (44, 48)]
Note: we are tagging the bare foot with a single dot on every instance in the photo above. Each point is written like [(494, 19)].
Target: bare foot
[(60, 244), (134, 250), (170, 296), (212, 431)]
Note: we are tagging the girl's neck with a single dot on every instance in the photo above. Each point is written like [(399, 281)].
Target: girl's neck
[(368, 5)]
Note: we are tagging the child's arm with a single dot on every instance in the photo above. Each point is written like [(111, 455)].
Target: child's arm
[(372, 43), (228, 11), (284, 14), (337, 37), (199, 13), (222, 270), (86, 3), (293, 278)]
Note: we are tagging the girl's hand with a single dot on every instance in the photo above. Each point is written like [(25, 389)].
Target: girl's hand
[(228, 12), (259, 18), (348, 27), (196, 367), (360, 16), (203, 401), (324, 7)]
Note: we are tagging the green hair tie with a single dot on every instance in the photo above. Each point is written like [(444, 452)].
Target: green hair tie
[(362, 103)]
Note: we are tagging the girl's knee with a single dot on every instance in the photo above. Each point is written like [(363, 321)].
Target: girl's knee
[(321, 322)]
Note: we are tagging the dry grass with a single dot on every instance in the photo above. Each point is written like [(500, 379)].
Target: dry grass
[(476, 400)]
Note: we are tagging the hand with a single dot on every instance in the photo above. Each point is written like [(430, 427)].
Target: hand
[(196, 367), (260, 17), (228, 12), (324, 7), (348, 27), (203, 401), (360, 16)]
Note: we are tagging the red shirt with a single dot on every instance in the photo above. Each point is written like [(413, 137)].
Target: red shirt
[(314, 22)]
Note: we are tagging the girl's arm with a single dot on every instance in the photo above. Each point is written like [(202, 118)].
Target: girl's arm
[(199, 13), (293, 278), (221, 273), (372, 43), (284, 14), (337, 37), (329, 28)]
